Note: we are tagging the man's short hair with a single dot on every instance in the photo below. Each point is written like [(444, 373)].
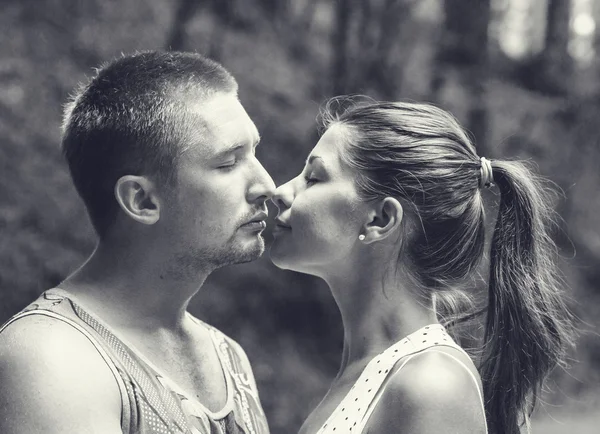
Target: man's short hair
[(130, 120)]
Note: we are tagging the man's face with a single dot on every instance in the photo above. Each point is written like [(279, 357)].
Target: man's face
[(217, 211)]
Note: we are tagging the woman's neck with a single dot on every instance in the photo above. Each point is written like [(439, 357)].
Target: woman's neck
[(378, 309)]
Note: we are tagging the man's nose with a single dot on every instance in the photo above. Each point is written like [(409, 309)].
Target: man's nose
[(263, 186)]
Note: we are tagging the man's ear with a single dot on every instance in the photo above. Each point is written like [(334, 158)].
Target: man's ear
[(137, 198), (385, 221)]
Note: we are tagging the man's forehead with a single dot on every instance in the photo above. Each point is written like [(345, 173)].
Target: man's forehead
[(215, 108), (223, 121)]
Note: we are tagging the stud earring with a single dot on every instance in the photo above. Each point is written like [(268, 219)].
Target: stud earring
[(361, 237)]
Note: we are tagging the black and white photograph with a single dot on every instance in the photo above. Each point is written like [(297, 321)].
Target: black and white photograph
[(299, 216)]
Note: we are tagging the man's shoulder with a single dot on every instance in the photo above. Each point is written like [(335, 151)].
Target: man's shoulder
[(32, 334), (35, 344), (47, 366)]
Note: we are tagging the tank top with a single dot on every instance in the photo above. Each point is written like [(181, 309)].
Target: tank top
[(353, 412), (151, 402)]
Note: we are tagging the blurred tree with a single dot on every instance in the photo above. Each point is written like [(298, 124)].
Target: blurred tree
[(595, 13), (306, 15), (367, 46), (380, 67), (281, 52), (339, 42), (550, 73), (462, 56), (556, 62), (297, 26), (185, 11), (223, 10), (276, 11), (550, 70)]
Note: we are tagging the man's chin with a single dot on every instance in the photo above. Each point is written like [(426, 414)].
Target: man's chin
[(250, 256), (248, 253)]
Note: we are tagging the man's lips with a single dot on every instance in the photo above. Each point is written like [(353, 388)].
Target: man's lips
[(258, 221), (258, 224)]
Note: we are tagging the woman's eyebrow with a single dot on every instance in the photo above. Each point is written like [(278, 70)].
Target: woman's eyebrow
[(312, 158)]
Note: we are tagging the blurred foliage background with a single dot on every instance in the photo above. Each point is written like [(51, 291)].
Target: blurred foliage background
[(522, 75)]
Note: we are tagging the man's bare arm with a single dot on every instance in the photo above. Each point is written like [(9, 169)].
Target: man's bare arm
[(53, 380)]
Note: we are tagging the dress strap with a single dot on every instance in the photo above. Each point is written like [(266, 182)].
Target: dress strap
[(460, 362), (475, 382), (351, 414)]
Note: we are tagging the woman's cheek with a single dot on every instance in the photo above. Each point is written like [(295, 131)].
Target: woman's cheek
[(323, 227)]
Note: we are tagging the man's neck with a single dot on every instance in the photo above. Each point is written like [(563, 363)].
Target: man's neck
[(129, 290)]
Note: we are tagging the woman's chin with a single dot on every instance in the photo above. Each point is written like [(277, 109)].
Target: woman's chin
[(277, 257), (283, 258)]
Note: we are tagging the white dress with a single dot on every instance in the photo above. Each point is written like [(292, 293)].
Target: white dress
[(352, 414)]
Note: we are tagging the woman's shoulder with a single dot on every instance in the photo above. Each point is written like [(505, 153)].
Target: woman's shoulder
[(433, 392)]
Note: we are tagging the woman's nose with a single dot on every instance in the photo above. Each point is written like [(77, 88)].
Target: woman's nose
[(283, 196)]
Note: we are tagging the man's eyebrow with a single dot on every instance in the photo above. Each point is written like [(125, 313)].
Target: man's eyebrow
[(228, 151), (234, 148)]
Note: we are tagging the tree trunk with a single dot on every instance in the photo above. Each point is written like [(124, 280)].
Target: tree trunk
[(184, 13), (462, 57), (394, 16), (295, 28), (556, 62), (339, 75), (596, 17)]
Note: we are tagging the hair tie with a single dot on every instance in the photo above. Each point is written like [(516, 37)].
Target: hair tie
[(487, 176)]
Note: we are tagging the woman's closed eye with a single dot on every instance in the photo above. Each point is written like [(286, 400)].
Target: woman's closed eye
[(310, 180)]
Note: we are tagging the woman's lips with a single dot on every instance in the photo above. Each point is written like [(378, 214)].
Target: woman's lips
[(279, 228)]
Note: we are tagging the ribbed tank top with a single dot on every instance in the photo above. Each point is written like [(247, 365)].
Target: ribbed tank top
[(151, 402)]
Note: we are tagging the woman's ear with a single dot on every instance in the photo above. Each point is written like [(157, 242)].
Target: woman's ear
[(385, 221), (137, 198)]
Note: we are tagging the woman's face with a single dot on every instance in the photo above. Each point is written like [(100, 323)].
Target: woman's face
[(320, 212)]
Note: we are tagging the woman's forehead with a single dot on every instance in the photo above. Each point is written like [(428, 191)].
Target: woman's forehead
[(334, 140), (332, 147)]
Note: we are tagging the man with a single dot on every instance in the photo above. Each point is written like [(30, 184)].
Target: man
[(163, 155)]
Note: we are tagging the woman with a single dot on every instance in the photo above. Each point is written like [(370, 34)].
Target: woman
[(389, 212)]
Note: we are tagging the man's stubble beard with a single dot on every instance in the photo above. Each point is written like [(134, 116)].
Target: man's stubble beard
[(187, 264)]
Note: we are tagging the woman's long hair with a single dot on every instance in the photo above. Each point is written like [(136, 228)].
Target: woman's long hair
[(420, 155)]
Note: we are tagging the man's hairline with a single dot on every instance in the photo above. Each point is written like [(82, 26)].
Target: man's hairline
[(200, 105)]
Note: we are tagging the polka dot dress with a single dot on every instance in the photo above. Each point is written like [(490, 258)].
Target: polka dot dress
[(353, 412)]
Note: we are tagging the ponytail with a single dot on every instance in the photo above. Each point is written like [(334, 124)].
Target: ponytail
[(528, 326), (420, 154)]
